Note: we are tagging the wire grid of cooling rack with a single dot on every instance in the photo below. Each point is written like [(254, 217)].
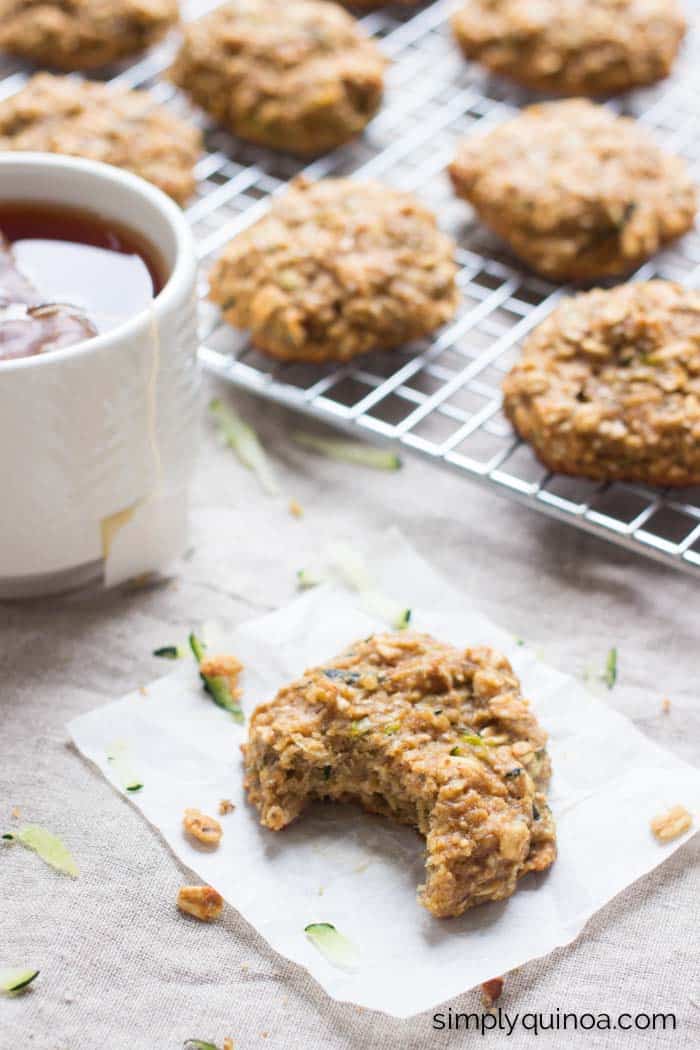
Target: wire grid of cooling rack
[(439, 398)]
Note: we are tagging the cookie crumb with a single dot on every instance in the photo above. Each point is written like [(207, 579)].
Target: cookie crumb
[(201, 827), (202, 902), (668, 826), (491, 991), (15, 814), (143, 691), (665, 705), (228, 1043), (225, 666), (296, 509), (226, 806)]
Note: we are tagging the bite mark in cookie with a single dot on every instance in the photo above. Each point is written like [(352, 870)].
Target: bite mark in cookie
[(608, 387), (436, 737), (577, 192)]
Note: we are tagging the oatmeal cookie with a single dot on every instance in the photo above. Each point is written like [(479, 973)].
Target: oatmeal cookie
[(300, 76), (337, 268), (573, 47), (608, 387), (432, 736), (56, 114), (577, 192), (82, 34)]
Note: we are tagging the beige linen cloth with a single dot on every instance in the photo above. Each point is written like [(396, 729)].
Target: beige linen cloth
[(121, 969)]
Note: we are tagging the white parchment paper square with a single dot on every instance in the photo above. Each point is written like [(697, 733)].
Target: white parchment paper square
[(358, 871)]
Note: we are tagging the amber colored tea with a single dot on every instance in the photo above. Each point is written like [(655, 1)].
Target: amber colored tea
[(67, 275)]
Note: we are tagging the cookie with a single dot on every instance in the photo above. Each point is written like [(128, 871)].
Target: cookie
[(577, 192), (55, 114), (429, 735), (300, 76), (82, 34), (572, 47), (337, 268), (608, 387)]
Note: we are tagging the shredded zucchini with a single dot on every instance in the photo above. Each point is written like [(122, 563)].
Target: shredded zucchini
[(217, 686), (47, 846), (473, 738), (307, 578), (348, 451), (610, 675), (170, 652), (352, 569), (241, 437), (361, 727), (120, 761), (14, 978), (336, 948)]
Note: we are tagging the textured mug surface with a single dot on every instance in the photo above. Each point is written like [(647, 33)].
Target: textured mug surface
[(98, 440)]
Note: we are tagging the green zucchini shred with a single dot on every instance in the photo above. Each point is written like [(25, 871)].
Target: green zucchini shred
[(170, 652), (119, 760), (15, 978), (243, 440), (473, 738), (216, 686), (610, 674), (336, 948), (348, 451), (48, 847)]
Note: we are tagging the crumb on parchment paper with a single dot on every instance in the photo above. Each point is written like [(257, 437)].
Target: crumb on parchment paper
[(199, 826), (296, 509), (223, 666), (226, 806), (665, 705), (668, 826)]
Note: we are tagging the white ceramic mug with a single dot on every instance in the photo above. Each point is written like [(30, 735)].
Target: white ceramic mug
[(98, 440)]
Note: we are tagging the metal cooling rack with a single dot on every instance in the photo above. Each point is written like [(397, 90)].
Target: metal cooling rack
[(438, 398)]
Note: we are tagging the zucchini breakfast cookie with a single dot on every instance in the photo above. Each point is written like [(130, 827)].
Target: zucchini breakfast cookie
[(300, 76), (608, 387), (82, 34), (337, 268), (577, 192), (572, 47), (435, 737), (56, 114)]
